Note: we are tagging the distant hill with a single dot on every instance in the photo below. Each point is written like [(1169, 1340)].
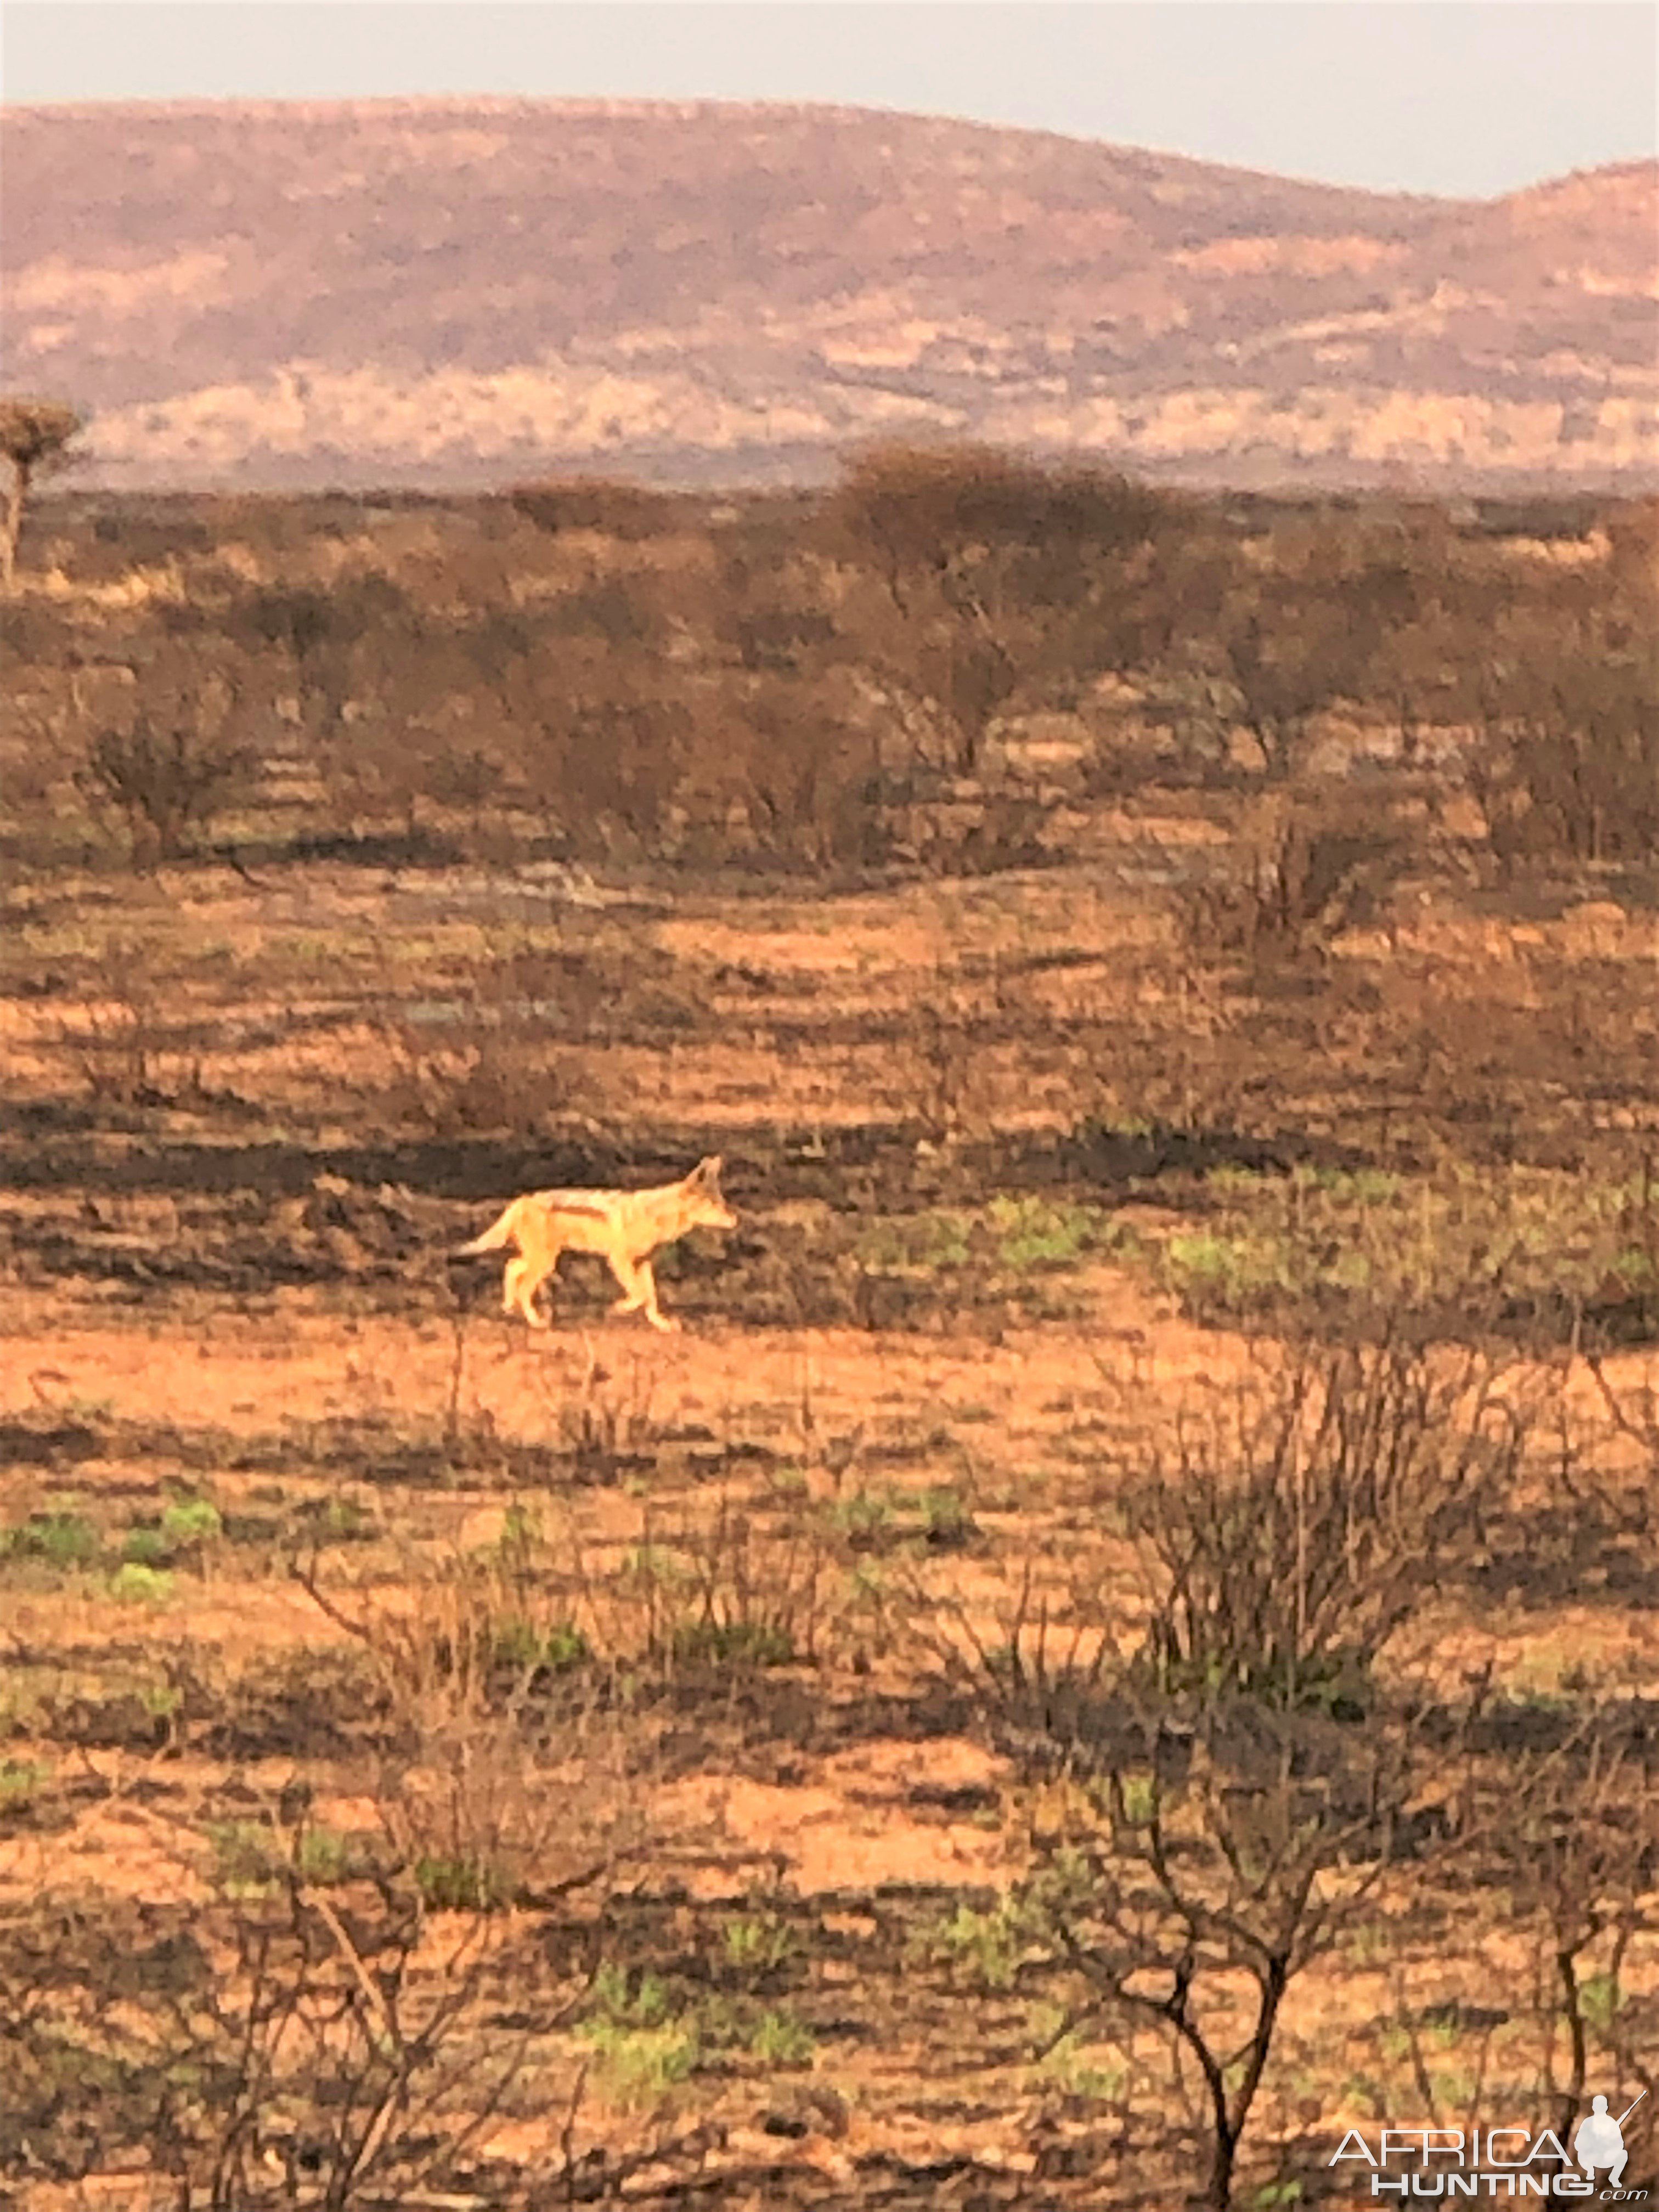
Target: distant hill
[(447, 293)]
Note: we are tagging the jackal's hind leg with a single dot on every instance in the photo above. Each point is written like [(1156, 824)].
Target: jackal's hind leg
[(535, 1279), (520, 1284)]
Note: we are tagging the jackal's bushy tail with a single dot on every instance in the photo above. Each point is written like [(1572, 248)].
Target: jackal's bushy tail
[(499, 1232)]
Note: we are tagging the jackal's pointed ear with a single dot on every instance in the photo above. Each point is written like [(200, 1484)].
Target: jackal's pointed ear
[(707, 1169)]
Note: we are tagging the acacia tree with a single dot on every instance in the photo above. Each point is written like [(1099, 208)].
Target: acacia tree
[(1278, 661), (34, 433), (976, 559)]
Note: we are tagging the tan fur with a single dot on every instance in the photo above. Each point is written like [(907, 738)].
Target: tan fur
[(625, 1226)]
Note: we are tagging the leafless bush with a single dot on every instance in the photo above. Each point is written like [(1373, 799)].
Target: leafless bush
[(1573, 1840), (958, 1019), (323, 1993), (943, 1056), (1188, 1853), (1282, 654), (606, 1424), (296, 2043), (1046, 1671), (1189, 1879), (516, 1771), (491, 1056), (1300, 876), (491, 1078), (1210, 1814), (282, 2041), (953, 509), (164, 778), (1631, 1406), (469, 780), (1566, 769), (1283, 1549), (734, 1593), (124, 1038), (606, 505), (807, 781), (609, 763)]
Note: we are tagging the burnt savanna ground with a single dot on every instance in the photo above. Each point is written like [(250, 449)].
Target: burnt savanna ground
[(1121, 1641)]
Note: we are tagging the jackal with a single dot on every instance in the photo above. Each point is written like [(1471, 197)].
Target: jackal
[(625, 1226)]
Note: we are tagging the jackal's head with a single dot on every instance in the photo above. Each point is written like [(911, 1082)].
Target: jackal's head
[(707, 1209)]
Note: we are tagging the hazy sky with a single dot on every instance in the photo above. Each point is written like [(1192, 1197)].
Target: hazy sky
[(1461, 96)]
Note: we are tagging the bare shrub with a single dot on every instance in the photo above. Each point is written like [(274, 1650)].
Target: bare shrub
[(605, 763), (487, 1078), (319, 633), (808, 781), (1573, 1838), (288, 2043), (1631, 1406), (605, 1425), (1190, 1873), (1209, 1816), (515, 1774), (947, 508), (1283, 667), (1188, 1854), (124, 1039), (1044, 1669), (1301, 873), (772, 615), (734, 1593), (618, 610), (1566, 771), (474, 781), (488, 1056), (1285, 1545), (323, 1993), (610, 507), (162, 778)]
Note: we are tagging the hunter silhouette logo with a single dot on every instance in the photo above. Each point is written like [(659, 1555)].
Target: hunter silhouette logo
[(1446, 2162), (1601, 2141)]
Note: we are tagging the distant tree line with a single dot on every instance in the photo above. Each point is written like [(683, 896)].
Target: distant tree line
[(794, 680)]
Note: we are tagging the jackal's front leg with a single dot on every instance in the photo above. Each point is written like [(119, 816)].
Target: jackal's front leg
[(653, 1312), (640, 1286)]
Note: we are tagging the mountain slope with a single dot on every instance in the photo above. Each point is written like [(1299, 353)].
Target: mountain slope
[(441, 292)]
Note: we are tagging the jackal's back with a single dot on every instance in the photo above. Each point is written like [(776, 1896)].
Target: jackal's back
[(603, 1203)]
